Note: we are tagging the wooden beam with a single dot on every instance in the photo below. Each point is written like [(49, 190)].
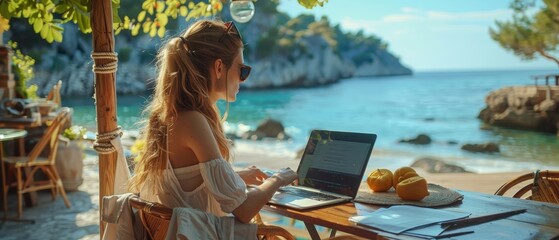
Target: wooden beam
[(105, 93)]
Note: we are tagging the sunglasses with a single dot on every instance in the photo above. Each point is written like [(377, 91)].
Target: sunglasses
[(245, 72), (230, 27)]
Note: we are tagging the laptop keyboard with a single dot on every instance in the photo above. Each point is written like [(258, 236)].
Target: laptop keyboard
[(307, 194)]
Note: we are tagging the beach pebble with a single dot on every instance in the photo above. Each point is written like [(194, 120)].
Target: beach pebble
[(486, 147), (421, 139), (268, 128), (435, 165)]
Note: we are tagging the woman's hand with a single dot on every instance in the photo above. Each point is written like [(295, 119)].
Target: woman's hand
[(285, 176), (252, 175)]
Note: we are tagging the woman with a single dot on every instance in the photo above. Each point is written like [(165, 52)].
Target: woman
[(186, 161)]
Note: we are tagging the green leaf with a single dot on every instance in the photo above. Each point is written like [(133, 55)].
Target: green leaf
[(141, 16), (50, 38), (57, 35), (309, 4), (196, 11), (146, 4), (38, 25), (61, 8), (161, 32), (126, 22), (153, 31), (135, 29), (146, 26), (48, 17), (150, 10), (26, 13), (183, 11), (160, 6), (162, 19), (44, 33), (117, 28), (12, 6)]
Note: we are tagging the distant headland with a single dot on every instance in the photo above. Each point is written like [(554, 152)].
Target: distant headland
[(284, 52), (534, 107)]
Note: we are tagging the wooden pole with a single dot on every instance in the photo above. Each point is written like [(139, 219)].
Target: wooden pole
[(105, 93)]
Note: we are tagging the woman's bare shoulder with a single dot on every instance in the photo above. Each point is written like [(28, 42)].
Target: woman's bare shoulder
[(190, 119), (193, 131), (191, 123)]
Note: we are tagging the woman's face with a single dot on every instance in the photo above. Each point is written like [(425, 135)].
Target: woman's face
[(227, 87)]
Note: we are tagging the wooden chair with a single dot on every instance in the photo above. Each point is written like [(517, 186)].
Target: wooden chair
[(155, 218), (54, 94), (540, 186), (34, 162)]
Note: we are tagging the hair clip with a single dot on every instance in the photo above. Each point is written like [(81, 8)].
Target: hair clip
[(183, 39)]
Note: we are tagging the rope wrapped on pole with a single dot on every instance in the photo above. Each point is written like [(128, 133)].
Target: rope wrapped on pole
[(109, 67), (103, 143)]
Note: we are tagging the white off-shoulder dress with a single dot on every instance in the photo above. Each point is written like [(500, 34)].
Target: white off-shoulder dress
[(221, 191)]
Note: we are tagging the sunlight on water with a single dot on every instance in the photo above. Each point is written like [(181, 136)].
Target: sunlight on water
[(442, 105)]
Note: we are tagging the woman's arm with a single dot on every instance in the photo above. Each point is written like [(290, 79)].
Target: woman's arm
[(260, 195), (196, 134)]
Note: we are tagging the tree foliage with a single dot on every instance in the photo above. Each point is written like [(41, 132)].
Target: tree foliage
[(23, 68), (527, 36), (309, 4), (47, 16)]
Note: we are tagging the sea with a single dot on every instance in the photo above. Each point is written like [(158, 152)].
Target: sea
[(443, 105)]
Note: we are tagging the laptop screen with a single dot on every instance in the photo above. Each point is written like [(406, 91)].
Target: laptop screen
[(335, 161)]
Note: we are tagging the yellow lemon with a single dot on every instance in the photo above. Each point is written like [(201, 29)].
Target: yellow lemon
[(399, 172), (380, 180), (413, 189)]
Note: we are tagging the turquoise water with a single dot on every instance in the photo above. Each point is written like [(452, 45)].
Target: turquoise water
[(443, 105)]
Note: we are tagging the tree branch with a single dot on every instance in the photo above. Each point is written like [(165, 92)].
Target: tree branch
[(548, 56)]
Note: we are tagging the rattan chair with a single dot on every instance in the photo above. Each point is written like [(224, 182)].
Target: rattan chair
[(54, 94), (35, 162), (155, 218), (540, 186)]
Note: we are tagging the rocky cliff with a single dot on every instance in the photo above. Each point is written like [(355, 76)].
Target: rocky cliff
[(283, 51), (530, 107)]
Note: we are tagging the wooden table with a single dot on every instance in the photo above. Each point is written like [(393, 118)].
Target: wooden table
[(541, 221), (7, 134), (22, 122)]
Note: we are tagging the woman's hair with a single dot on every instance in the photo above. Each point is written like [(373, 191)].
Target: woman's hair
[(183, 83)]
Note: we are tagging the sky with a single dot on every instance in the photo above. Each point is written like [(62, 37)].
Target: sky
[(429, 35)]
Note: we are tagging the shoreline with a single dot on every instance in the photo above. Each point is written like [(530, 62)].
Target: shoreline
[(470, 181), (513, 157)]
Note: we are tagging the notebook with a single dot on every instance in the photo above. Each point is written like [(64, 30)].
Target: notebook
[(330, 170)]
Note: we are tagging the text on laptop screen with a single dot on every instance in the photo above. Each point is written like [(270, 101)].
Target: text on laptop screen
[(335, 161)]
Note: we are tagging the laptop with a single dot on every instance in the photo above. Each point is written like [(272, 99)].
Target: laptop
[(330, 170)]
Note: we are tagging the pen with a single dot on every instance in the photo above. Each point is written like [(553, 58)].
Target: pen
[(481, 219), (453, 234)]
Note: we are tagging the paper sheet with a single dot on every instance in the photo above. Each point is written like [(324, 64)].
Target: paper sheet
[(398, 219)]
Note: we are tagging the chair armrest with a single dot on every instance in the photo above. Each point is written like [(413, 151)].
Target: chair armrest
[(269, 232)]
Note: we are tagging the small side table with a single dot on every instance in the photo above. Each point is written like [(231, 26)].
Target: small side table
[(7, 134)]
